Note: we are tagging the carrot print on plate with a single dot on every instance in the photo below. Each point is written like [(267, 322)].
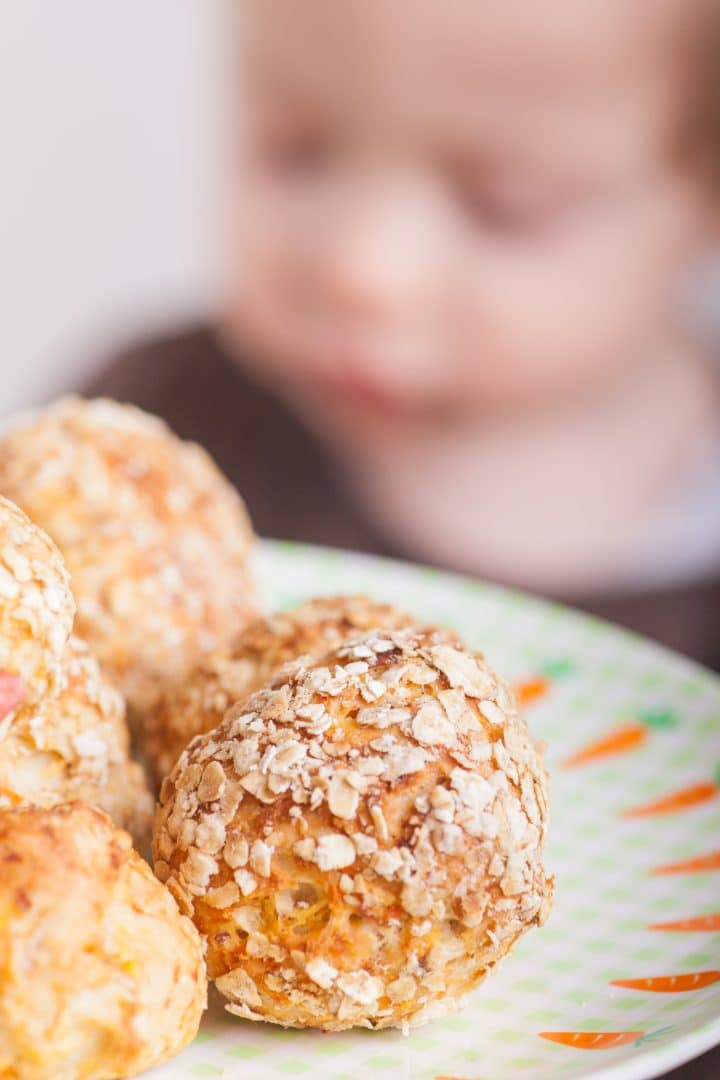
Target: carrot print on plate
[(539, 685), (633, 723), (603, 1040), (592, 1040), (698, 924), (621, 740), (670, 984), (684, 799), (699, 864), (533, 689)]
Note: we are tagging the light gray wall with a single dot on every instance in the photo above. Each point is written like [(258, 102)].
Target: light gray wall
[(110, 114)]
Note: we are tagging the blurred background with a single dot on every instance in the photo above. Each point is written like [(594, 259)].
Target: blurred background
[(427, 283), (111, 149)]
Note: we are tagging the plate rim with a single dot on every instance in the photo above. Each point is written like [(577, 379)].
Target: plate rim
[(654, 1061), (700, 1042), (273, 545)]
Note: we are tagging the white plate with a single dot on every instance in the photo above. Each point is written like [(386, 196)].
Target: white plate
[(612, 903)]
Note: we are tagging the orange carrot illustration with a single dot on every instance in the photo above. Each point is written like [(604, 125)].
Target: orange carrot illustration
[(537, 686), (699, 923), (670, 984), (684, 799), (530, 690), (623, 739), (592, 1040), (604, 1040), (700, 864)]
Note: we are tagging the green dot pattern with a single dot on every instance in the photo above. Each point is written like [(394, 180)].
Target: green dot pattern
[(559, 977)]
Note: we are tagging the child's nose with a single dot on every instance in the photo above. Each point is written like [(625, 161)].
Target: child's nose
[(378, 249)]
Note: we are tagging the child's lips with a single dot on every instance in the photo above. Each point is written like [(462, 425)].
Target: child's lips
[(363, 393)]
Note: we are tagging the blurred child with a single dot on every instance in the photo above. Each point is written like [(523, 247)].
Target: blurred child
[(453, 328)]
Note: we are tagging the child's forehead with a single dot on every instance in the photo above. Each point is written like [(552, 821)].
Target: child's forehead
[(471, 65), (546, 44)]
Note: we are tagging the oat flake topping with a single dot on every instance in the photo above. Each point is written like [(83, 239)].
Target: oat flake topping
[(233, 671), (155, 538), (374, 844), (63, 733)]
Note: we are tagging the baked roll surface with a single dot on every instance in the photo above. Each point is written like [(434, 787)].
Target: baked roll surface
[(362, 841)]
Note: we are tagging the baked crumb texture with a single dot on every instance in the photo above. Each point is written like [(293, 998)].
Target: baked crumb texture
[(75, 746), (100, 975), (63, 733), (36, 606), (251, 660), (360, 842), (156, 540)]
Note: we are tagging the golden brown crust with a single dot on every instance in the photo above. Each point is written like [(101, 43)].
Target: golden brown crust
[(230, 673), (100, 976), (74, 746), (156, 540), (36, 606), (362, 841)]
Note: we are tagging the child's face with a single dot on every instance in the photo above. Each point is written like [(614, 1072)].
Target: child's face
[(446, 206)]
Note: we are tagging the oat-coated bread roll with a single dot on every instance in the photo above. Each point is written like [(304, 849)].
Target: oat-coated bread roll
[(74, 746), (361, 842), (100, 975), (63, 734), (156, 540), (36, 611), (231, 672)]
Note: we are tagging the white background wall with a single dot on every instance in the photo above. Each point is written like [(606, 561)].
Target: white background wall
[(110, 120)]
